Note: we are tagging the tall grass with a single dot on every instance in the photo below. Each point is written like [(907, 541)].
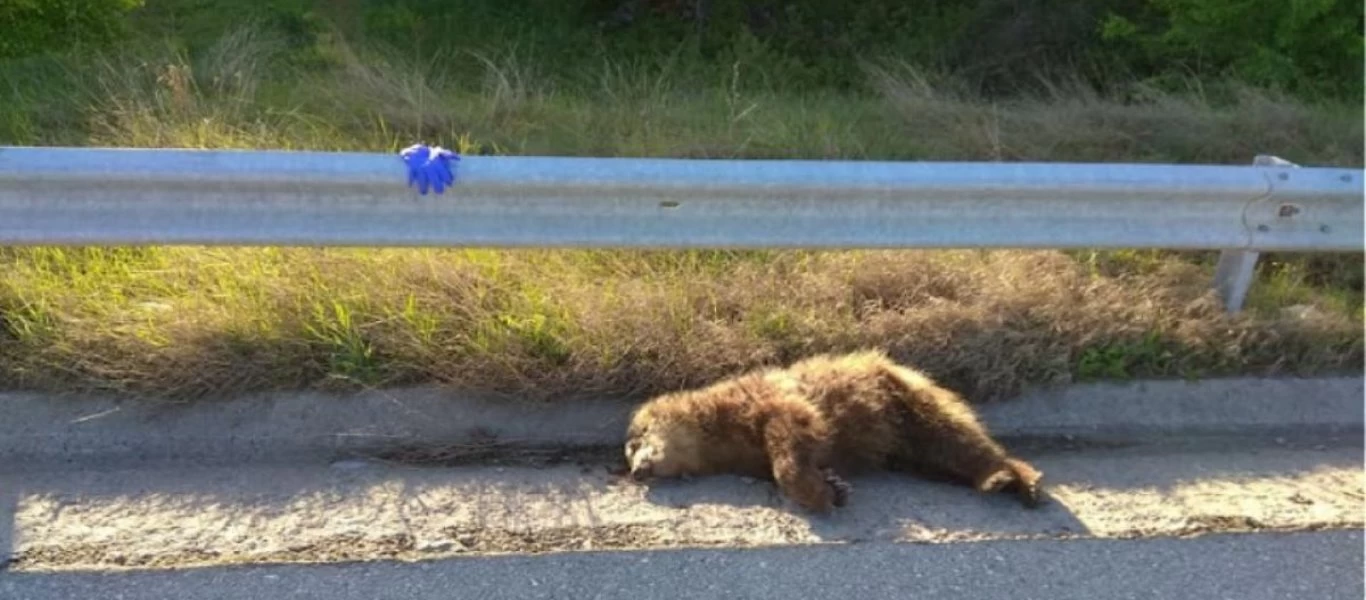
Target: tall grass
[(243, 91)]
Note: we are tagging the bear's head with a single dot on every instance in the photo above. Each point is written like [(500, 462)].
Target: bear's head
[(661, 445)]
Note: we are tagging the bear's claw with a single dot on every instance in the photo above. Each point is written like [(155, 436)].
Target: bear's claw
[(841, 487)]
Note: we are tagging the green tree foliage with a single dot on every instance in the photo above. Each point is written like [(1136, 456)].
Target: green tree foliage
[(1307, 47), (33, 26), (1299, 45)]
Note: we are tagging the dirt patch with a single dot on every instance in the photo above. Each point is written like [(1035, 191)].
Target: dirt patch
[(482, 542), (456, 542), (614, 537), (369, 510)]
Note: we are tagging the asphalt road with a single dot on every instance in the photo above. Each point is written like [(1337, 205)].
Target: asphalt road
[(1322, 565)]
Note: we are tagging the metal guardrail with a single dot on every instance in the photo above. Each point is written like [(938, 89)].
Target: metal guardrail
[(83, 196)]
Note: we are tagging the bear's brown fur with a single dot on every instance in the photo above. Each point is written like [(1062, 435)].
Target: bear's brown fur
[(823, 416)]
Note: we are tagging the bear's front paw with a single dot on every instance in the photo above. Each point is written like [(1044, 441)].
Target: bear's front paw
[(841, 487)]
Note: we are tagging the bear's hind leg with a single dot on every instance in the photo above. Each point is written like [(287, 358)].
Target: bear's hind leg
[(986, 471), (1015, 474)]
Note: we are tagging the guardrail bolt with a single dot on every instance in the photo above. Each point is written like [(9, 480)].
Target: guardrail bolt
[(1325, 228), (1288, 210)]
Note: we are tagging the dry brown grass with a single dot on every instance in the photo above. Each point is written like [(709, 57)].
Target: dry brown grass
[(187, 323)]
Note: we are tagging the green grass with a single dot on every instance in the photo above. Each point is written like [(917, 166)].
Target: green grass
[(198, 322)]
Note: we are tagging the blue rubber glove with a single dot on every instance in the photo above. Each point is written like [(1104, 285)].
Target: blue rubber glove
[(429, 167)]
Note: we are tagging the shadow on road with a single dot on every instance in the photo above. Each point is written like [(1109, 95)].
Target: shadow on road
[(1133, 483), (9, 507)]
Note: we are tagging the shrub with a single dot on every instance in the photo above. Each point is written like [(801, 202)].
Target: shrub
[(1306, 46)]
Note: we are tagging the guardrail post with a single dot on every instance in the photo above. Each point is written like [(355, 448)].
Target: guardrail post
[(1233, 277), (1236, 269)]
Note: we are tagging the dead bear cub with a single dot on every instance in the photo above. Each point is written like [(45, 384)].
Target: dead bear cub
[(823, 416)]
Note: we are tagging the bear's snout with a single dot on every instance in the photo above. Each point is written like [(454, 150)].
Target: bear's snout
[(642, 470), (641, 459)]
